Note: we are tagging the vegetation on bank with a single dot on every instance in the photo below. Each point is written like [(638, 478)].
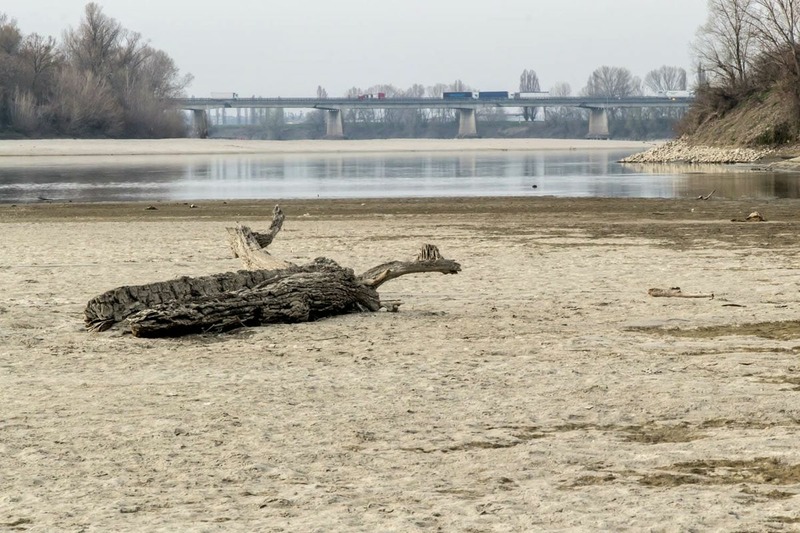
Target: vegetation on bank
[(101, 80), (749, 67)]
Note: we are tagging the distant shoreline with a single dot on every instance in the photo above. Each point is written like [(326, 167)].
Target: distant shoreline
[(149, 147)]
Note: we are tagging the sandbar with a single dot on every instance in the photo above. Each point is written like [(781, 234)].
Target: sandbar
[(541, 388), (94, 147)]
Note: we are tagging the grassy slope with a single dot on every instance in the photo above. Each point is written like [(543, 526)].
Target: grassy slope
[(752, 123), (761, 121)]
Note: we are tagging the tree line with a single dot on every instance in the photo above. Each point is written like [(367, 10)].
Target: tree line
[(99, 80)]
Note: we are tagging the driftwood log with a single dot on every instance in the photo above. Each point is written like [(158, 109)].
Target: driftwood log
[(675, 292), (270, 291)]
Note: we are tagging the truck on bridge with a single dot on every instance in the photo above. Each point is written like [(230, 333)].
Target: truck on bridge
[(225, 96), (492, 95), (535, 94), (475, 95), (676, 94), (460, 95)]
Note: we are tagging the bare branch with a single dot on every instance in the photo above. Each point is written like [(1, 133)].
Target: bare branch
[(251, 247), (428, 260)]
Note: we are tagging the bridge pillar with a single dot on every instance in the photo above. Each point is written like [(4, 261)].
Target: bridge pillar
[(334, 126), (200, 123), (467, 127), (598, 123)]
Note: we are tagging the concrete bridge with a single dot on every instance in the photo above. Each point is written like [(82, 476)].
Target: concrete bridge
[(598, 108)]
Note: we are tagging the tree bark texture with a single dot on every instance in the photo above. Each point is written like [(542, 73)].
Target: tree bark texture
[(316, 291), (114, 306)]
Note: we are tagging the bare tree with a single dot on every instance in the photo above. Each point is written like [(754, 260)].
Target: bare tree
[(665, 79), (459, 85), (436, 91), (24, 113), (121, 65), (10, 36), (661, 81), (612, 82), (726, 43), (273, 122), (84, 104), (10, 39), (40, 57), (529, 83), (777, 28), (414, 119), (557, 90), (352, 115), (352, 92), (102, 80), (94, 45), (142, 88), (416, 91), (317, 117), (366, 116), (131, 52), (561, 88)]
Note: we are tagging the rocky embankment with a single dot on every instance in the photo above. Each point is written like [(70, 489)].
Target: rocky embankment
[(679, 151)]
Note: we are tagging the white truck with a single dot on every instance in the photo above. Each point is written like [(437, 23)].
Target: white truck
[(676, 94)]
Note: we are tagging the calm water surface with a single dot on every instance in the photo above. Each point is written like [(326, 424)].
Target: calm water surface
[(575, 173)]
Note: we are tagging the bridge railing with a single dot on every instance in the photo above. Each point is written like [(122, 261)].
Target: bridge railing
[(432, 103)]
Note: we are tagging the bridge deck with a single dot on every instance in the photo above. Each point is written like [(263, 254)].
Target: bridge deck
[(432, 103)]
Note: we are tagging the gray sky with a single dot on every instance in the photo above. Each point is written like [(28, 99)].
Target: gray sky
[(288, 47)]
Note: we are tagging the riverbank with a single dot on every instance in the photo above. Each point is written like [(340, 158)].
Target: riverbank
[(84, 147), (681, 151), (541, 388)]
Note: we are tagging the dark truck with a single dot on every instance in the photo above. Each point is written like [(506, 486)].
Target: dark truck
[(492, 95), (460, 95)]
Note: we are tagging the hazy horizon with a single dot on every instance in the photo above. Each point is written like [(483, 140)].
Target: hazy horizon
[(288, 49)]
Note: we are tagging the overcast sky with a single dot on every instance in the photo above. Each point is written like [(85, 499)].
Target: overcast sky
[(289, 47)]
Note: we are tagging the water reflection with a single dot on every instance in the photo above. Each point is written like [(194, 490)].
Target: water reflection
[(555, 173)]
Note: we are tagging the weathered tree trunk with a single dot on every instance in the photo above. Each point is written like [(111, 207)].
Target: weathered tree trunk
[(251, 247), (277, 292), (114, 306), (309, 293)]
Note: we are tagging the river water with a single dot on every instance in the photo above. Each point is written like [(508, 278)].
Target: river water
[(574, 173)]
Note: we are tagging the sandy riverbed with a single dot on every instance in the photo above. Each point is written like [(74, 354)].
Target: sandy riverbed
[(82, 147), (539, 389)]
